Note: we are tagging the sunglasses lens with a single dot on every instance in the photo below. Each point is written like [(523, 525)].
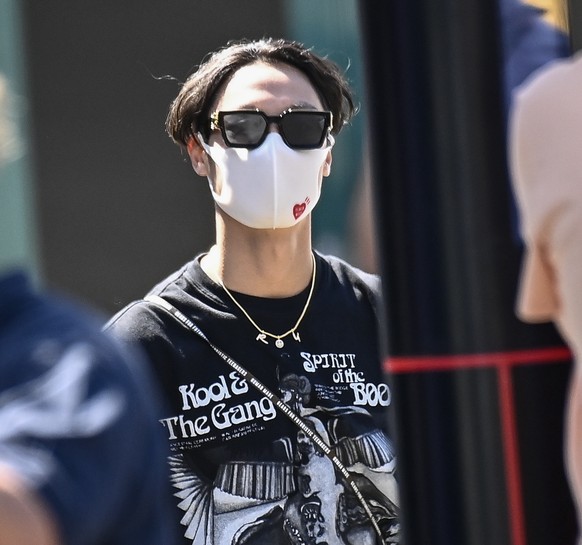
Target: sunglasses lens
[(304, 130), (299, 130), (243, 128)]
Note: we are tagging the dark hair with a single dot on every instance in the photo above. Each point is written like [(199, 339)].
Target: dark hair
[(190, 110)]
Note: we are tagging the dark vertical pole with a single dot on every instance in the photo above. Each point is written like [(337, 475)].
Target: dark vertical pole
[(468, 377), (575, 23)]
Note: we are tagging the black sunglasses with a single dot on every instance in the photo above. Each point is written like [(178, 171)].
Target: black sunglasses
[(299, 129)]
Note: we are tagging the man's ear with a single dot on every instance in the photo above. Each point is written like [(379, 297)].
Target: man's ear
[(197, 156), (327, 164)]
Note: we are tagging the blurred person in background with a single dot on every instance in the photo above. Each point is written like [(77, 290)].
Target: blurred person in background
[(546, 165), (82, 461), (528, 42)]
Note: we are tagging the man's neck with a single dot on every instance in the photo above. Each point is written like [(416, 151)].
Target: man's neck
[(264, 263)]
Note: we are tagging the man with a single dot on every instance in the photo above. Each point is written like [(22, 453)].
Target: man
[(82, 461), (258, 119), (545, 136)]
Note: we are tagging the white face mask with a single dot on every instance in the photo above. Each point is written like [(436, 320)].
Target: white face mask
[(269, 187)]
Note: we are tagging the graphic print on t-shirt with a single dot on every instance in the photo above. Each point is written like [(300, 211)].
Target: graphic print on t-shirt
[(299, 497)]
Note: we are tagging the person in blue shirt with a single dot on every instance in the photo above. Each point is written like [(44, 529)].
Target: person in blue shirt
[(81, 459), (528, 43)]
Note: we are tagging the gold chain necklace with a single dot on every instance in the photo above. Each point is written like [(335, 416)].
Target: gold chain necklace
[(262, 336)]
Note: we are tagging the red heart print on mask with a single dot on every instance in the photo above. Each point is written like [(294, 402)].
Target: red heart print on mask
[(298, 209)]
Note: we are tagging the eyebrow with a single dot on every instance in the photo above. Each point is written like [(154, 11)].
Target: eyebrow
[(296, 106), (304, 106)]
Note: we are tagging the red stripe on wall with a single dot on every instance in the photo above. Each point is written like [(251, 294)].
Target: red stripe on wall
[(503, 362), (511, 457), (419, 364)]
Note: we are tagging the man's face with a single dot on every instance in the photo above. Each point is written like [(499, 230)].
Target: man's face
[(271, 89)]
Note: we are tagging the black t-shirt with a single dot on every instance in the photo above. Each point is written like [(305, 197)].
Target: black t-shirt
[(244, 473)]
